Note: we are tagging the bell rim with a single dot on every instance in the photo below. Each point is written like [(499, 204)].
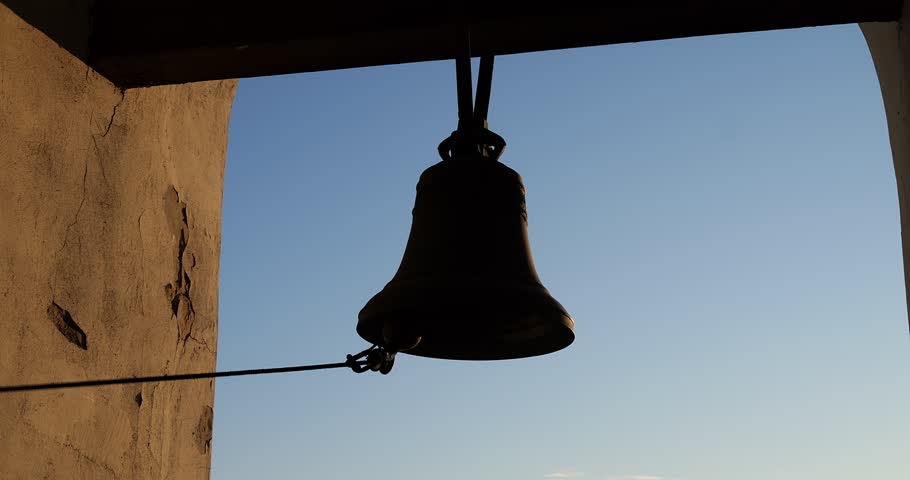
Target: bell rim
[(554, 327), (563, 329)]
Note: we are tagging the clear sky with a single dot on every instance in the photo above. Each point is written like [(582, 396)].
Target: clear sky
[(718, 214)]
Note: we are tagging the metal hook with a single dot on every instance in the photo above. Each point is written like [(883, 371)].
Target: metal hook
[(378, 359)]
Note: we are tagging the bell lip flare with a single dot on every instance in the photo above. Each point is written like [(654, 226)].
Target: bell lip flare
[(465, 323)]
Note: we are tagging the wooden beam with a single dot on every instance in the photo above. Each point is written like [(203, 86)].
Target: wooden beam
[(141, 43)]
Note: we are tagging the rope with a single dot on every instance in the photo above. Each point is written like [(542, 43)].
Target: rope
[(378, 359), (172, 378)]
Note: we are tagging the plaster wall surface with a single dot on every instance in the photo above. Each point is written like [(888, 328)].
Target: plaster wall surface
[(889, 43), (110, 224)]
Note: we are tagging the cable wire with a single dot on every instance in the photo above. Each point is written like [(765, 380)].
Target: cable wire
[(171, 378), (377, 359)]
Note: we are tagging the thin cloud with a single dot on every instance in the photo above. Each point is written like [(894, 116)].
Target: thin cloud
[(564, 474), (636, 477)]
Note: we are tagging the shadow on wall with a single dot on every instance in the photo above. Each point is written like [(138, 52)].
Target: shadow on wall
[(66, 22)]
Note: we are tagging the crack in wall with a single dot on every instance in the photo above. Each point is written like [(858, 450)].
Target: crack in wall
[(52, 279), (141, 265), (67, 444), (66, 231), (199, 341), (83, 456), (107, 130), (98, 157), (110, 123), (178, 291)]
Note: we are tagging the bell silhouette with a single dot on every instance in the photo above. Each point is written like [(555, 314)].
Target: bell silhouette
[(467, 288)]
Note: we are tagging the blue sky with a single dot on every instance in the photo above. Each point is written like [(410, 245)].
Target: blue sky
[(718, 214)]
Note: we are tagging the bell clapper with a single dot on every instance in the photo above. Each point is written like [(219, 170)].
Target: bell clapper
[(400, 335)]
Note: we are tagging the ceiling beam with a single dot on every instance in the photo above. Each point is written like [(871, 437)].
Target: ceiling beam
[(141, 43)]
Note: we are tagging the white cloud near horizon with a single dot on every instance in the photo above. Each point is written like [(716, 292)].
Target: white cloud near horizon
[(635, 477), (564, 474)]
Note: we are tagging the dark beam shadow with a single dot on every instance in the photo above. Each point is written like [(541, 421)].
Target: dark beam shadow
[(66, 22), (136, 43)]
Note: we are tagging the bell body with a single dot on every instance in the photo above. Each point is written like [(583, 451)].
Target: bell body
[(467, 288)]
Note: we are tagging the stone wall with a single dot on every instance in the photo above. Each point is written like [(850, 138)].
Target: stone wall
[(889, 43), (110, 226)]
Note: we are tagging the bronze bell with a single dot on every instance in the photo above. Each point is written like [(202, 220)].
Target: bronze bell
[(467, 288)]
